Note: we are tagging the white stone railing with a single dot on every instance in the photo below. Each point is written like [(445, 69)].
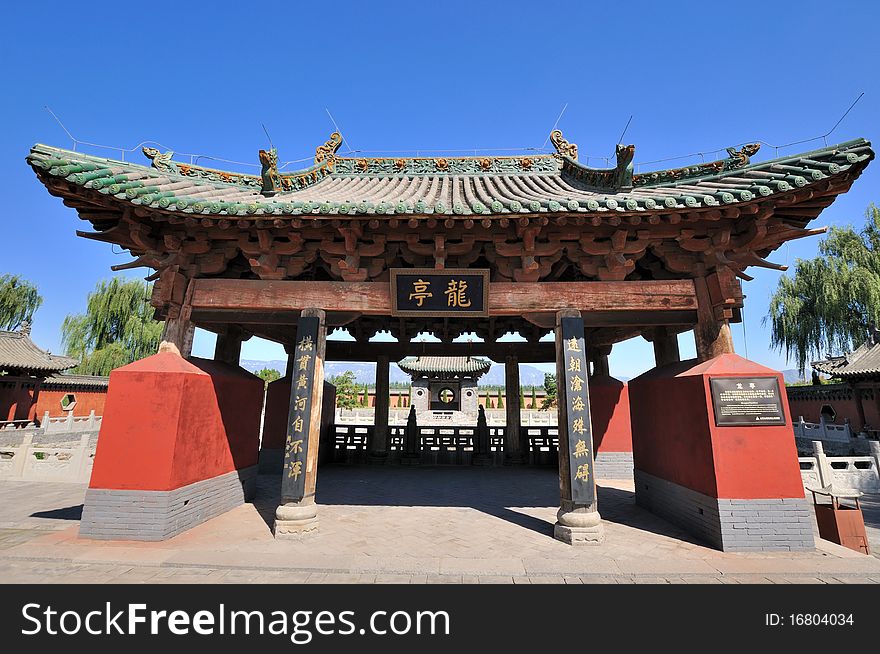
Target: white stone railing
[(65, 460), (70, 423), (494, 417), (859, 472), (822, 431), (48, 425)]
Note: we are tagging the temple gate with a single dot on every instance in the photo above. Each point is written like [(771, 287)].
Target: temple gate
[(535, 244)]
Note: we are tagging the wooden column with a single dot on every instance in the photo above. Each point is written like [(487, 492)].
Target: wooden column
[(32, 411), (179, 330), (228, 347), (513, 450), (860, 407), (177, 336), (379, 443), (13, 408), (665, 347), (599, 357), (577, 521), (711, 333), (297, 512)]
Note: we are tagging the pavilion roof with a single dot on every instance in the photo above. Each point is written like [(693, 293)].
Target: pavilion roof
[(471, 366), (19, 352), (457, 186)]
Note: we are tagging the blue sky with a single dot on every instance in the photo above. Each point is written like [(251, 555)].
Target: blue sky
[(201, 78)]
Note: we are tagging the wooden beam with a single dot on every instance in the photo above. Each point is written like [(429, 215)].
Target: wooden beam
[(505, 298), (524, 352)]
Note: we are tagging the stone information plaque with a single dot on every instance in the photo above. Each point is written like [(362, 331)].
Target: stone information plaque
[(747, 401)]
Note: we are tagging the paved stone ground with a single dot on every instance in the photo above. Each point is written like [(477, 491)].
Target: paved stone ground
[(403, 525)]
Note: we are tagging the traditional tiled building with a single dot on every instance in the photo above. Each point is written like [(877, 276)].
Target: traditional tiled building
[(24, 368)]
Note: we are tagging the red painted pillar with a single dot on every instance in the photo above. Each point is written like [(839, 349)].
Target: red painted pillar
[(178, 445), (736, 487)]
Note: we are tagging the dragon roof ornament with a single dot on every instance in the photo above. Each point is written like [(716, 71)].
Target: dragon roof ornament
[(563, 147), (328, 150)]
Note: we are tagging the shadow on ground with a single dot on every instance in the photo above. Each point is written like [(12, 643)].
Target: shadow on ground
[(67, 513), (494, 491)]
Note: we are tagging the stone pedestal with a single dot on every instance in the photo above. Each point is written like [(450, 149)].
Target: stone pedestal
[(178, 446), (738, 488), (295, 519), (578, 525)]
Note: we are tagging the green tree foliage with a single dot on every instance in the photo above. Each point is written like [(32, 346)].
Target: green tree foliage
[(347, 395), (826, 307), (500, 403), (549, 386), (269, 375), (522, 399), (19, 299), (117, 327), (534, 399)]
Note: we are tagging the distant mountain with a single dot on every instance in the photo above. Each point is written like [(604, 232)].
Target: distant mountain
[(792, 376), (257, 366)]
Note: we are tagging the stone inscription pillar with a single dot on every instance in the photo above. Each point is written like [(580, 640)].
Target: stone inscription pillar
[(297, 513), (577, 521), (379, 444)]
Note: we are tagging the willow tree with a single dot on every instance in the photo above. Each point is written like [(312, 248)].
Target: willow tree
[(826, 307), (117, 327), (19, 299)]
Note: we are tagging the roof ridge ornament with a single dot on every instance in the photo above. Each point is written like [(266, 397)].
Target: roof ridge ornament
[(328, 150), (740, 158), (563, 147), (623, 173), (269, 173), (161, 160)]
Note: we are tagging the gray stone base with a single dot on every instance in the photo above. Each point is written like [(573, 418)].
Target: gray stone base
[(613, 465), (579, 535), (733, 525), (296, 519), (159, 515), (271, 461)]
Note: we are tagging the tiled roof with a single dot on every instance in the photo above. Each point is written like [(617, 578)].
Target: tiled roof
[(462, 365), (465, 186), (18, 351), (863, 362), (85, 382)]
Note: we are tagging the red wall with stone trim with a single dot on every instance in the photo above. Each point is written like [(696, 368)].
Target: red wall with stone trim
[(675, 437), (86, 401), (169, 422)]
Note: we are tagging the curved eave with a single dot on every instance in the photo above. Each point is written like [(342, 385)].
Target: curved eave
[(453, 196)]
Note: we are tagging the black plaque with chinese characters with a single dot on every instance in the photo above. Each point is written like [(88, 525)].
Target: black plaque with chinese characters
[(302, 381), (577, 398), (439, 293), (747, 401)]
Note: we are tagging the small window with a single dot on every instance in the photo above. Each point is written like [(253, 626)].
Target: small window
[(68, 402), (447, 396), (828, 413)]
